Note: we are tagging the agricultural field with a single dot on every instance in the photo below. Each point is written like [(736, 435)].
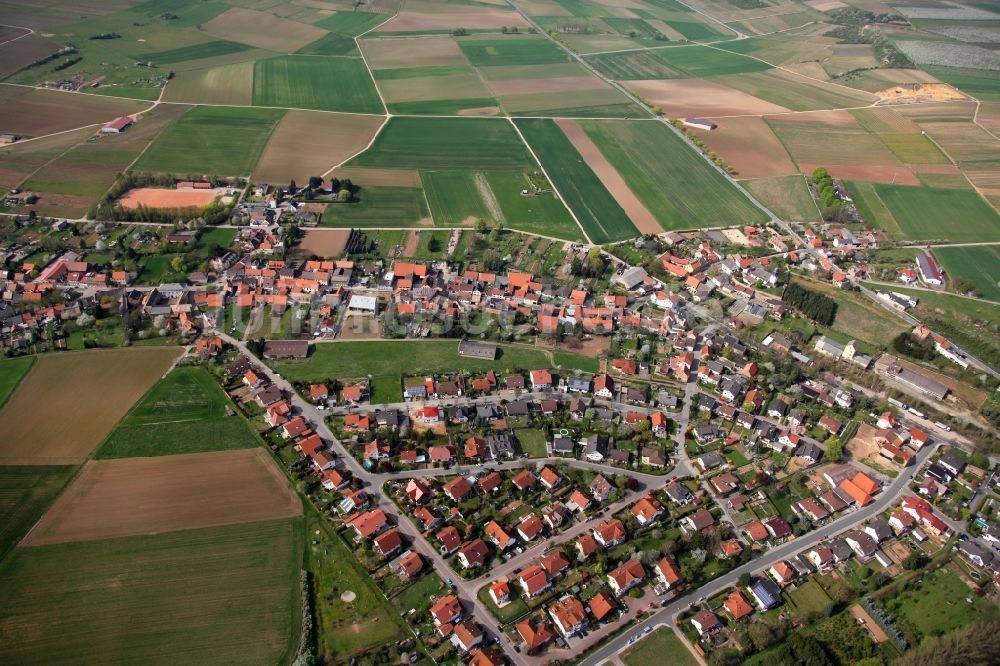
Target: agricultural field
[(12, 371), (447, 144), (600, 215), (212, 140), (915, 213), (351, 23), (332, 140), (325, 84), (183, 413), (195, 490), (25, 493), (456, 197), (225, 84), (380, 206), (788, 197), (390, 359), (35, 113), (678, 197), (511, 50), (703, 61), (92, 390), (978, 265), (542, 213), (176, 596)]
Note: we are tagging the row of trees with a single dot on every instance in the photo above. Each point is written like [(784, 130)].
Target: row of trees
[(818, 307)]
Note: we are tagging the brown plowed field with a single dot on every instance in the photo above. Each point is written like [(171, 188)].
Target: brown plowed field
[(130, 496), (331, 139), (539, 85), (39, 112), (411, 52), (749, 145), (324, 242), (159, 197), (262, 29), (698, 97), (23, 52), (69, 402), (641, 217)]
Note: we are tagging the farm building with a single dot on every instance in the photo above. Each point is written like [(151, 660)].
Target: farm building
[(700, 123), (117, 126), (193, 185), (362, 304), (929, 270), (8, 138)]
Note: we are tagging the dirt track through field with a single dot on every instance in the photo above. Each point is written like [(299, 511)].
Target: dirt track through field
[(130, 496), (643, 220), (70, 401)]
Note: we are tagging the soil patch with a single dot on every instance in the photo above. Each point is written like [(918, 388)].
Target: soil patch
[(919, 92), (699, 97), (868, 622), (641, 217), (324, 242), (412, 242), (130, 496), (158, 197)]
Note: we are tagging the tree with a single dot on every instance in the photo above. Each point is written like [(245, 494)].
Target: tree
[(315, 182), (744, 580), (177, 264), (834, 450), (914, 561), (292, 189)]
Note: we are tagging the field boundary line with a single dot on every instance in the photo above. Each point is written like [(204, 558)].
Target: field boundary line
[(385, 121), (19, 27), (552, 184), (371, 74), (375, 27)]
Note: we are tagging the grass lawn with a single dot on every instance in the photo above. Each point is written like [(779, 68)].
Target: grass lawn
[(12, 371), (675, 183), (183, 413), (661, 646), (212, 140), (937, 605), (25, 494), (512, 611), (191, 595), (808, 598), (786, 196), (345, 629), (446, 144), (325, 84), (389, 359), (857, 317), (532, 442), (379, 206), (598, 212), (418, 595), (978, 264)]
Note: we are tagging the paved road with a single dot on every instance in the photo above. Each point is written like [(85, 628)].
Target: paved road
[(668, 614)]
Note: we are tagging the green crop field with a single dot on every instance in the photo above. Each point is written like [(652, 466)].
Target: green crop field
[(351, 23), (627, 26), (674, 182), (183, 413), (696, 31), (923, 213), (512, 50), (390, 359), (873, 210), (446, 144), (12, 371), (788, 197), (454, 197), (633, 65), (913, 148), (380, 206), (661, 646), (598, 212), (332, 44), (188, 13), (194, 595), (700, 61), (212, 140), (540, 214), (25, 494), (980, 265), (196, 52), (324, 84)]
